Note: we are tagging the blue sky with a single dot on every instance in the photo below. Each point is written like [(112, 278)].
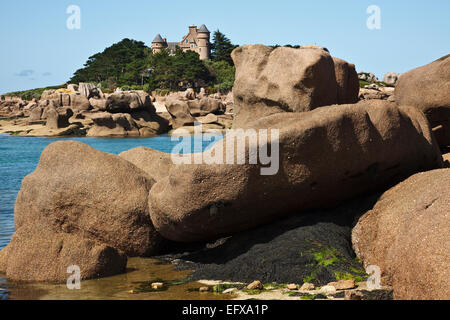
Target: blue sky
[(38, 50)]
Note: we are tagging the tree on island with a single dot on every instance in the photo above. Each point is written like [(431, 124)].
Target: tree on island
[(221, 48), (167, 71), (131, 64), (121, 63)]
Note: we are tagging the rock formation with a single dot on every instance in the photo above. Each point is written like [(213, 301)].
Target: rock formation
[(407, 234), (37, 253), (79, 190), (326, 156), (391, 78), (309, 81), (155, 163), (428, 89)]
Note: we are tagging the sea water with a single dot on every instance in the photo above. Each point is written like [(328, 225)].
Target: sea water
[(19, 157)]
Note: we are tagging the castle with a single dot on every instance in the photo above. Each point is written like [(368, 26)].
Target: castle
[(196, 40)]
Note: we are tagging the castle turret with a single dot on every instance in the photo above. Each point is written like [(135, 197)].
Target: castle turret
[(204, 46), (158, 44)]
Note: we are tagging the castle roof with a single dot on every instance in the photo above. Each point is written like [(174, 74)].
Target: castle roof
[(203, 29), (158, 39)]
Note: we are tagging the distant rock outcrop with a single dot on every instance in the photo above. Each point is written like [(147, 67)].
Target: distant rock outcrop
[(391, 78), (180, 112), (58, 118), (368, 77)]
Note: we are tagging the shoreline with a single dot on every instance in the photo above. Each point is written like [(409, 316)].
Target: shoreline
[(135, 284)]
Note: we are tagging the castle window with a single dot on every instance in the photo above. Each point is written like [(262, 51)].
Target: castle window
[(187, 40)]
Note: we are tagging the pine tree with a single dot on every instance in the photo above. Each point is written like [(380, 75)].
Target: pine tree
[(222, 48)]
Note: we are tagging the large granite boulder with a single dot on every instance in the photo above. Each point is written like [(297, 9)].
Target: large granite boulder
[(155, 163), (75, 101), (89, 90), (99, 104), (180, 113), (35, 114), (127, 102), (205, 106), (58, 118), (407, 234), (79, 190), (150, 123), (37, 253), (140, 123), (113, 125), (326, 156), (428, 89), (347, 81), (308, 81)]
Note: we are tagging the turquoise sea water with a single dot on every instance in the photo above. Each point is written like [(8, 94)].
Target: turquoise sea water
[(19, 156)]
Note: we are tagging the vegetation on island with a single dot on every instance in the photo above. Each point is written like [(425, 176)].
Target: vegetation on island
[(131, 64), (33, 93)]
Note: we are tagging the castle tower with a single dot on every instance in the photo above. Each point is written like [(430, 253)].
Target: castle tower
[(204, 46), (158, 44)]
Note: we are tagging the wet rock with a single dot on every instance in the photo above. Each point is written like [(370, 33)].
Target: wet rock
[(353, 295)]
